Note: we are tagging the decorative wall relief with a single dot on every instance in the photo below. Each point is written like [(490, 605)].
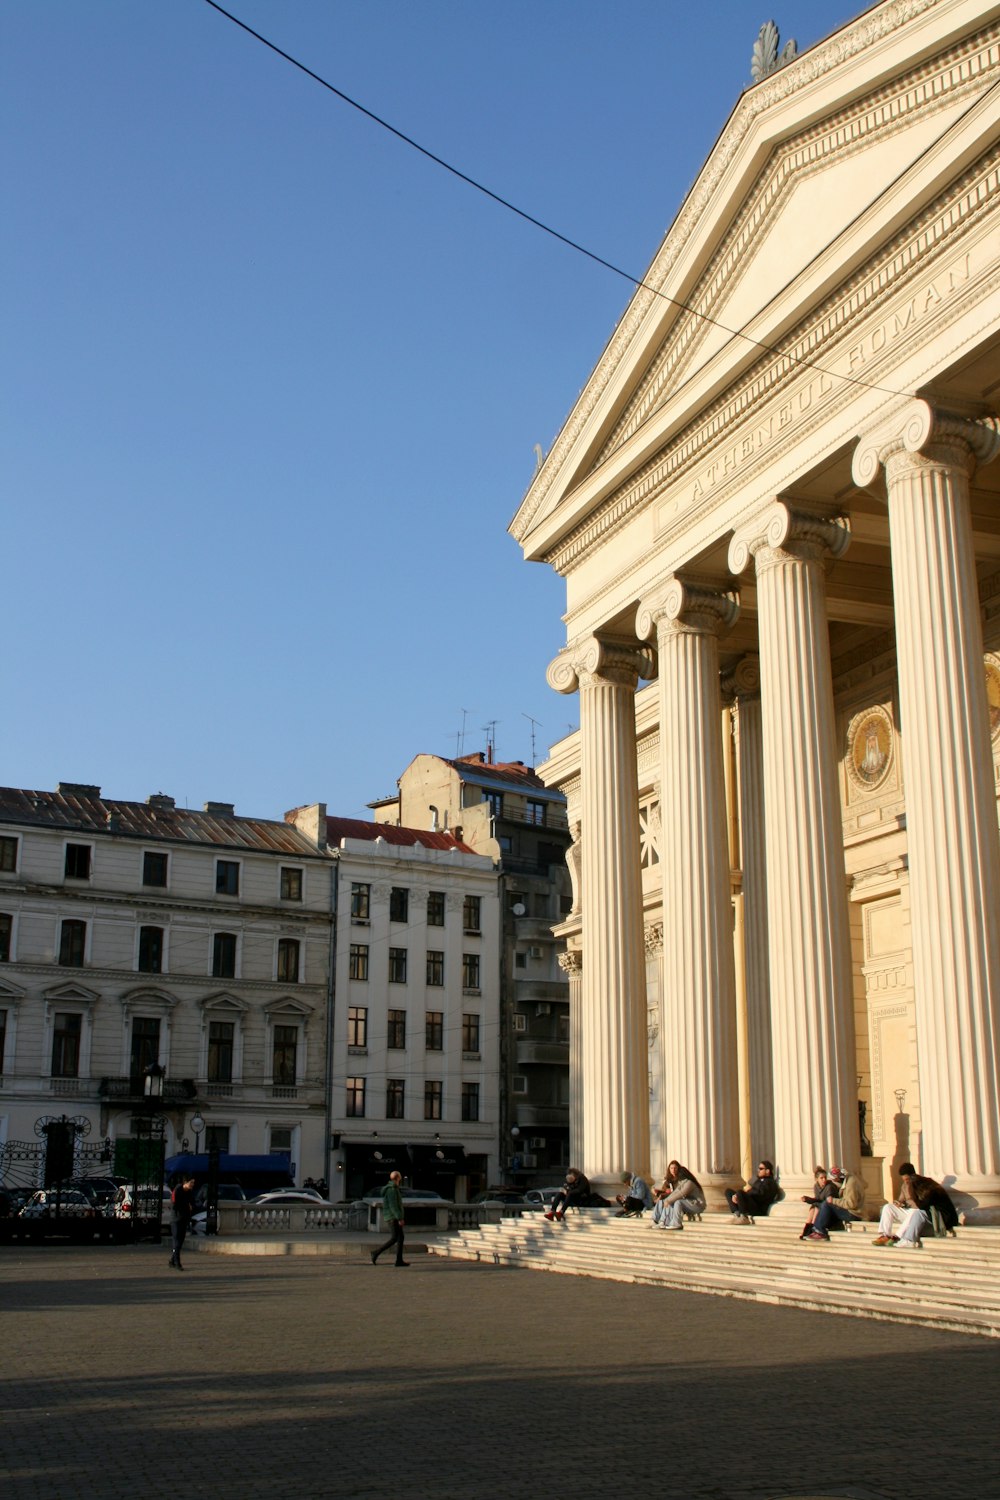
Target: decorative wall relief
[(870, 749), (992, 664)]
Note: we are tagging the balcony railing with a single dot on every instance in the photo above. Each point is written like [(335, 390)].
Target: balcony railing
[(129, 1090)]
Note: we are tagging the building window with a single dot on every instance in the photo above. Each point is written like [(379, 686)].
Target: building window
[(154, 868), (435, 908), (3, 1038), (471, 913), (495, 799), (291, 883), (470, 971), (145, 1049), (506, 843), (284, 1073), (78, 861), (434, 1030), (520, 959), (72, 939), (357, 1026), (227, 877), (150, 950), (520, 1021), (8, 854), (470, 1101), (435, 967), (224, 955), (563, 1028), (355, 1108), (397, 965), (280, 1141), (220, 1051), (432, 1099), (399, 904), (470, 1033), (397, 1029), (360, 902), (519, 1084), (358, 964), (217, 1138), (535, 813), (66, 1033), (288, 960), (6, 928), (394, 1098)]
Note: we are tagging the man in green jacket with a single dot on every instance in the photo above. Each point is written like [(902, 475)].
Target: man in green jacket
[(392, 1213)]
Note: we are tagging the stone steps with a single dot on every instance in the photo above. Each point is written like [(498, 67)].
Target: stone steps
[(951, 1283)]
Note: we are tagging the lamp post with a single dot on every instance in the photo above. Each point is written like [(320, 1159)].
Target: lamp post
[(197, 1125), (148, 1129)]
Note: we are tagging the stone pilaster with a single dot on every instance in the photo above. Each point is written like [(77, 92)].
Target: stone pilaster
[(815, 1114), (698, 1002), (571, 963), (613, 989), (921, 462), (742, 686)]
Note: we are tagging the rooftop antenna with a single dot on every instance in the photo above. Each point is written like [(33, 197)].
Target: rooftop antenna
[(535, 723), (490, 731), (461, 734)]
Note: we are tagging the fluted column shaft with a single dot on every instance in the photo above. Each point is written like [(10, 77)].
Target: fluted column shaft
[(698, 1004), (571, 964), (613, 988), (815, 1115), (749, 739), (951, 809)]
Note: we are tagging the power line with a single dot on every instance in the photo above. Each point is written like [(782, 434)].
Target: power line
[(636, 282)]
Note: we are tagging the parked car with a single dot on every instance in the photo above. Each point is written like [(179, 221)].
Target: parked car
[(290, 1195), (500, 1195), (147, 1204), (542, 1197), (65, 1210)]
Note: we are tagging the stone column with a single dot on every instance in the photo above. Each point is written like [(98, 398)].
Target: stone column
[(922, 462), (815, 1114), (742, 685), (613, 989), (571, 963), (658, 1142), (698, 1003)]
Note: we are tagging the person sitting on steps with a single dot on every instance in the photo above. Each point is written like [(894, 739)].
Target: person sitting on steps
[(755, 1197), (823, 1189), (574, 1194), (841, 1211), (636, 1198), (903, 1222), (680, 1197)]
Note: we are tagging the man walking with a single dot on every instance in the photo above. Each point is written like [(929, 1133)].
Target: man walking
[(181, 1210), (392, 1213)]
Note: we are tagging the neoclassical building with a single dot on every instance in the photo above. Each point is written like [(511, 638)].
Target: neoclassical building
[(776, 511)]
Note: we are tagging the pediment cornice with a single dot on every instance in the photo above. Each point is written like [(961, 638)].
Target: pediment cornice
[(770, 154)]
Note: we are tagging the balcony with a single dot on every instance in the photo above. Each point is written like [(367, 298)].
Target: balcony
[(534, 1116), (176, 1091), (555, 1054)]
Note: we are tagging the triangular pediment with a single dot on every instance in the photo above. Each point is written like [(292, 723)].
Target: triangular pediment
[(223, 1000), (818, 168)]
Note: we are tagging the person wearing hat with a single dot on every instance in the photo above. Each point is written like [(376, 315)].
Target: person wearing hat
[(636, 1199), (843, 1208)]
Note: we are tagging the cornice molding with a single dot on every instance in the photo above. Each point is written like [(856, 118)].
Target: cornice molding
[(799, 75)]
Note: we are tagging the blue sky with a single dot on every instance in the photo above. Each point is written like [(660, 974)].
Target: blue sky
[(272, 381)]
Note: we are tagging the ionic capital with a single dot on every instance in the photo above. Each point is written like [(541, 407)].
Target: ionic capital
[(680, 605), (920, 430), (781, 531), (599, 658), (742, 681)]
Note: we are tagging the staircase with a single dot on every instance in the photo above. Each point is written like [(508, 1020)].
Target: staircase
[(949, 1283)]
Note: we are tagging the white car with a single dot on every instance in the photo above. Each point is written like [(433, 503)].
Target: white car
[(542, 1197), (147, 1204)]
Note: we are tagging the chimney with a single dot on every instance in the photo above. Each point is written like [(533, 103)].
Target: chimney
[(78, 789), (220, 809), (162, 801), (311, 821)]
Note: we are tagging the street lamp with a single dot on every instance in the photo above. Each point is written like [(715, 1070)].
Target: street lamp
[(197, 1125)]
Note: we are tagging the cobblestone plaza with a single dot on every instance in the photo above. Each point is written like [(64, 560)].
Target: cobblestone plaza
[(321, 1376)]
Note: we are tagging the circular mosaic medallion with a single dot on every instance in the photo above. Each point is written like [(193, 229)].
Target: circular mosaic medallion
[(992, 664), (870, 746)]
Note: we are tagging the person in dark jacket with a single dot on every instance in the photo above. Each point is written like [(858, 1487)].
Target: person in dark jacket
[(823, 1191), (181, 1211), (755, 1197), (392, 1213), (575, 1193)]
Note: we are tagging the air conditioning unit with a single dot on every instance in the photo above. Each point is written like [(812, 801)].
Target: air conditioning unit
[(527, 1162), (537, 1143), (542, 1008), (536, 951)]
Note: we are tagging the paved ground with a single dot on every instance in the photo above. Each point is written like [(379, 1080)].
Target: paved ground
[(247, 1378)]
